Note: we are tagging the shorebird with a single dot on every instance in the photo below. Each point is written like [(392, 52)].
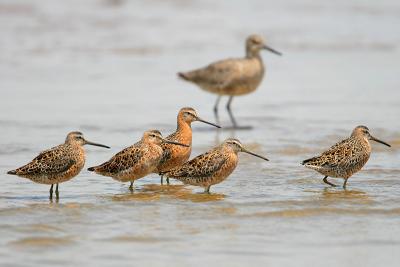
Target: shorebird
[(211, 168), (344, 158), (174, 156), (232, 77), (58, 164), (136, 161)]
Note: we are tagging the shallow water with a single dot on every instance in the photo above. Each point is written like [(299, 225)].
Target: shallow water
[(108, 68)]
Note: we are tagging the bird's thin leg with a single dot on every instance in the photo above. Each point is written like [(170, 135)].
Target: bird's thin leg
[(327, 182), (167, 180), (228, 107), (51, 192), (57, 195), (345, 183), (207, 189), (162, 178), (131, 186), (216, 109)]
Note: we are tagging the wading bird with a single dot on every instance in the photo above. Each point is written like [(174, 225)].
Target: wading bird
[(136, 161), (211, 168), (232, 77), (344, 158), (58, 164), (174, 156)]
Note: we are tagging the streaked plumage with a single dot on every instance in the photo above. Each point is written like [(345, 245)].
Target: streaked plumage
[(232, 77), (210, 168), (58, 164), (136, 161), (174, 156), (344, 158)]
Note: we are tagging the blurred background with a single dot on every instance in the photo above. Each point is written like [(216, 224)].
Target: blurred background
[(108, 68)]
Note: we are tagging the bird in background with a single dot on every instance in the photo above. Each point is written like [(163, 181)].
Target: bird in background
[(344, 158), (174, 156), (58, 164), (136, 161), (232, 77), (211, 168)]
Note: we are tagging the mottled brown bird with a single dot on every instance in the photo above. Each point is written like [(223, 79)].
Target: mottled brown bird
[(136, 161), (232, 77), (344, 158), (58, 164), (174, 156), (211, 168)]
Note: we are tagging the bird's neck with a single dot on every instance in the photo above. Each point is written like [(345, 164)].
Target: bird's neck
[(76, 149), (367, 144), (73, 145), (253, 54), (183, 125), (184, 131), (364, 142)]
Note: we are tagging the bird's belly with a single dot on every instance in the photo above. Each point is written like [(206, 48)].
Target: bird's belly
[(239, 89), (136, 172), (241, 86), (57, 178), (345, 170), (220, 175)]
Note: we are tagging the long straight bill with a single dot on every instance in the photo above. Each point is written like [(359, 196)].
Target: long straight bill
[(95, 144), (379, 141), (174, 143), (255, 155), (203, 121), (272, 50)]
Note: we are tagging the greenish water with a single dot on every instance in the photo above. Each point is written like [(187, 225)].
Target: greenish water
[(108, 69)]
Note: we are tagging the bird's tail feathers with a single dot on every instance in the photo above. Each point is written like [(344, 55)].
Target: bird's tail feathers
[(13, 172), (91, 169), (184, 76), (308, 160)]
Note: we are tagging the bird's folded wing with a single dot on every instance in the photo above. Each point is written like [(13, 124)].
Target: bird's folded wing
[(166, 148), (123, 160), (202, 166), (49, 161), (165, 156), (338, 155), (218, 74)]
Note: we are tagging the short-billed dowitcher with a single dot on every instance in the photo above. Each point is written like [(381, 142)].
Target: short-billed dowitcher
[(58, 164), (232, 77), (211, 168), (174, 156), (136, 161), (344, 158)]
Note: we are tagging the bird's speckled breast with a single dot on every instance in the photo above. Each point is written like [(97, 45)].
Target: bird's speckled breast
[(226, 169), (177, 155)]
